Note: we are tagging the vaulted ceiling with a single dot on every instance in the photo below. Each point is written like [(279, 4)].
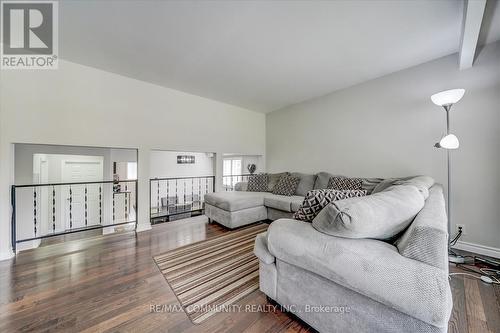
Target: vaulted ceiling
[(262, 55)]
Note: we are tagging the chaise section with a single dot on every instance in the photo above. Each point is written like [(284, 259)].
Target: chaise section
[(236, 209), (375, 269), (241, 207), (237, 200)]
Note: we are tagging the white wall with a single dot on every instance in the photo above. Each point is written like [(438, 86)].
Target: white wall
[(83, 106), (387, 127), (23, 173), (164, 164)]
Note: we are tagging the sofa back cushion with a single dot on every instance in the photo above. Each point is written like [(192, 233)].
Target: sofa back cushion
[(322, 180), (257, 183), (380, 216), (370, 183), (426, 239), (422, 183), (241, 186), (306, 182)]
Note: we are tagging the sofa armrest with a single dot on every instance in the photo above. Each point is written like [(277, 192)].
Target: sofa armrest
[(426, 239), (241, 186), (260, 249), (369, 267)]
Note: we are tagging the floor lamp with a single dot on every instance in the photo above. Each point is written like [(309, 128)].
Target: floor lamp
[(449, 141)]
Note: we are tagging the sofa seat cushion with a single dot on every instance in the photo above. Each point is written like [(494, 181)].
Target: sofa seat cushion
[(234, 201), (370, 267), (280, 202)]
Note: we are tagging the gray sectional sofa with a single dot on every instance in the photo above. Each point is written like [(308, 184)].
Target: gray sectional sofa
[(239, 208), (340, 284)]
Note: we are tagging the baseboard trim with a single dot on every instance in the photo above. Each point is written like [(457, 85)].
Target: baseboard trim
[(6, 255), (479, 249), (143, 227)]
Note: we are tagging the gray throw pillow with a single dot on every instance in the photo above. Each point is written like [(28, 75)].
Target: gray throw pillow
[(287, 185), (257, 183), (380, 216), (272, 180), (316, 200)]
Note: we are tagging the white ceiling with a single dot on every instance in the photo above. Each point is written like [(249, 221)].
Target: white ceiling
[(262, 55)]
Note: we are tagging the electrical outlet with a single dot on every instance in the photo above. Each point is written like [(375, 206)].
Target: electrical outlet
[(460, 226)]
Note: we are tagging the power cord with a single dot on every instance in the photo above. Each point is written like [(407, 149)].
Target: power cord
[(455, 240), (490, 271), (488, 275), (484, 278)]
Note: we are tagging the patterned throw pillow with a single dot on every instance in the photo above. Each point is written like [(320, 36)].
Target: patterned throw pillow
[(316, 200), (257, 183), (286, 185), (273, 179), (344, 183)]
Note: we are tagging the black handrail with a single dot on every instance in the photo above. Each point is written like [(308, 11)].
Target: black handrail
[(174, 206), (79, 183), (242, 175), (177, 178)]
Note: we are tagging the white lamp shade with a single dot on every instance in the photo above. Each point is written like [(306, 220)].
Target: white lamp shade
[(448, 97), (449, 141)]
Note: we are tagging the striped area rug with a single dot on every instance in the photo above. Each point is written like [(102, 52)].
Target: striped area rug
[(213, 274)]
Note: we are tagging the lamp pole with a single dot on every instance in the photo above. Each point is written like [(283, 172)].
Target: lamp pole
[(446, 99), (448, 162)]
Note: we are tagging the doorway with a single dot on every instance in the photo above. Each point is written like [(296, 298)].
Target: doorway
[(81, 202)]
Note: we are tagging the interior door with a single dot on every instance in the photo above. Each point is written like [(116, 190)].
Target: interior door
[(84, 205)]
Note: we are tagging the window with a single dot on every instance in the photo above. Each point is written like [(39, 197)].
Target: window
[(231, 167), (132, 170)]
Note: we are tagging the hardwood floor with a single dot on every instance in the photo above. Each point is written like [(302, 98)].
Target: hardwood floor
[(476, 305), (109, 283)]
